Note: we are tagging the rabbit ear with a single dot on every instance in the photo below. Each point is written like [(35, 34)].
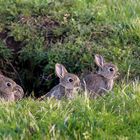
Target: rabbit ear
[(60, 70), (99, 60)]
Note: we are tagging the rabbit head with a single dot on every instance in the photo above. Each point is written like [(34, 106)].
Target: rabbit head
[(67, 80), (107, 70), (9, 90), (6, 85)]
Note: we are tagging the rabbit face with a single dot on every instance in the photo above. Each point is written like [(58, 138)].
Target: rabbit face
[(70, 81), (107, 70), (9, 90), (6, 85), (67, 80)]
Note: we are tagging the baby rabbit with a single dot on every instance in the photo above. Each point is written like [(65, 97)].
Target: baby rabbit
[(68, 82), (101, 82), (9, 90)]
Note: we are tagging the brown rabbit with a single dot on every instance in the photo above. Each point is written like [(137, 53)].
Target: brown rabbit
[(103, 81), (68, 82), (9, 90)]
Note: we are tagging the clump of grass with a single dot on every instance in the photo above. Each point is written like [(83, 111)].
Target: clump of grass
[(115, 116), (36, 34)]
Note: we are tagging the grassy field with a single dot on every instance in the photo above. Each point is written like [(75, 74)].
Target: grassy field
[(114, 117), (73, 30)]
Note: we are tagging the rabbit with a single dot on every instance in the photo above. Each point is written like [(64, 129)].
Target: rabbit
[(9, 90), (103, 80), (68, 82)]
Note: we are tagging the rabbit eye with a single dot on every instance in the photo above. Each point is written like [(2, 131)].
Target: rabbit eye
[(70, 80), (8, 84), (111, 69)]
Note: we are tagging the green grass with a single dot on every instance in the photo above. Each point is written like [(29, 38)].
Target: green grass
[(116, 116)]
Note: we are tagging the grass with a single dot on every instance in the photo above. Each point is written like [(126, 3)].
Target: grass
[(116, 116)]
